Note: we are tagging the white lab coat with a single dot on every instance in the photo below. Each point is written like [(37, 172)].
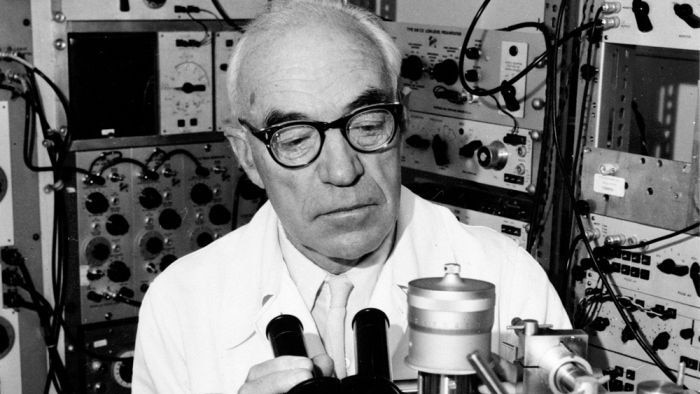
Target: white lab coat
[(202, 323)]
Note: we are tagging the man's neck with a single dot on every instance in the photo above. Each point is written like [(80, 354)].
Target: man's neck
[(338, 266)]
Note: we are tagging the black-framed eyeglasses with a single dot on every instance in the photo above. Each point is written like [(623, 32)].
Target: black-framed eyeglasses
[(298, 143)]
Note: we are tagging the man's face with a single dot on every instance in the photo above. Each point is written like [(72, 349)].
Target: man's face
[(344, 204)]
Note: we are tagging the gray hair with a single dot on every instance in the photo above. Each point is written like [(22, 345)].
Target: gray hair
[(283, 16)]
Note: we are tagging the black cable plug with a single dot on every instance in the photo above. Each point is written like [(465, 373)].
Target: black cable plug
[(11, 256), (188, 9), (508, 94), (202, 171)]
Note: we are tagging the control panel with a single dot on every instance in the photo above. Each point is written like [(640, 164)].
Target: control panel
[(147, 204), (658, 284), (517, 230), (10, 357), (659, 23), (7, 231), (88, 10), (186, 83), (485, 153), (223, 48), (625, 186), (104, 364), (430, 67)]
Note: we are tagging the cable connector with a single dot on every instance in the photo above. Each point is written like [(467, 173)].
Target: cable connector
[(609, 22), (508, 94), (11, 256), (187, 9), (611, 7)]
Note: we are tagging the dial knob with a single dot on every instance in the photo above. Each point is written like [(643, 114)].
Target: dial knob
[(661, 341), (150, 198), (418, 142), (412, 68), (118, 271), (154, 245), (117, 225), (122, 369), (492, 156), (204, 239), (447, 72), (96, 203), (99, 251), (219, 215), (94, 274), (471, 75), (169, 219), (473, 53), (166, 261), (201, 194), (151, 244)]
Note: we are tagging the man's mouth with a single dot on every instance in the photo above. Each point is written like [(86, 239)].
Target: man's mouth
[(347, 209)]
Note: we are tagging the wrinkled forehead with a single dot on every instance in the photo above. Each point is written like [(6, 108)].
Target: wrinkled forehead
[(331, 64)]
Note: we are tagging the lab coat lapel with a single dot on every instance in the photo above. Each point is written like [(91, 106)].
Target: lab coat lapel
[(288, 301)]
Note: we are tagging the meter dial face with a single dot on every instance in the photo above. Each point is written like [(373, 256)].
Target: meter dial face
[(188, 87)]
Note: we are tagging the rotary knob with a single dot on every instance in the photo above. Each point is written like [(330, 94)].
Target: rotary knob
[(219, 215), (201, 194), (150, 198), (412, 68), (98, 250), (117, 225), (151, 244), (166, 261), (169, 219), (492, 156), (96, 203), (118, 271), (447, 72), (473, 53), (154, 245), (204, 239)]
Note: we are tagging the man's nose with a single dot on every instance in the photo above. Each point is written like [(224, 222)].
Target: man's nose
[(339, 163)]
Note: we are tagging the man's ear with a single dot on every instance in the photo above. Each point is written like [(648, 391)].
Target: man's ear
[(238, 138)]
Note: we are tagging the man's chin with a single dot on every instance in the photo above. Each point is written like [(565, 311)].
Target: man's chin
[(351, 248)]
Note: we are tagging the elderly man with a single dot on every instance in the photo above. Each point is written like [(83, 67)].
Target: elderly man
[(314, 91)]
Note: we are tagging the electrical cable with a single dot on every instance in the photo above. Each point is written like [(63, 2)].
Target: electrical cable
[(641, 127), (516, 126), (484, 92), (628, 319), (207, 35), (220, 9), (146, 171), (585, 99), (659, 239)]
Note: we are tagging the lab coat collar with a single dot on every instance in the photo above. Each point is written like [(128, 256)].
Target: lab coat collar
[(271, 290)]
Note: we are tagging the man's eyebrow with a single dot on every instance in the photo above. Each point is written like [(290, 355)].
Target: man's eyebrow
[(370, 96), (276, 117)]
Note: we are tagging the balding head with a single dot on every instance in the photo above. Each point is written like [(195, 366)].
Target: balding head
[(287, 17)]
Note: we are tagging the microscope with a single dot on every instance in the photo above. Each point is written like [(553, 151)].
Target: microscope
[(450, 321)]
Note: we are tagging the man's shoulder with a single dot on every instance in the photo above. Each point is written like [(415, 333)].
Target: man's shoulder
[(222, 261)]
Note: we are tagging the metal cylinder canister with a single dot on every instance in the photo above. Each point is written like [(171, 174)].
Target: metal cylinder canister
[(449, 318), (659, 387)]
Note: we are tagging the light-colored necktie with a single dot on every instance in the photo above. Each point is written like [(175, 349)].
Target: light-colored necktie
[(340, 288)]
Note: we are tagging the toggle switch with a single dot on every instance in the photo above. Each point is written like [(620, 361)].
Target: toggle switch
[(641, 15), (447, 72), (440, 151), (418, 142), (412, 68), (685, 12)]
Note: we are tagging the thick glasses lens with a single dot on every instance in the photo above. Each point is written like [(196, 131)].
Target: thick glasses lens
[(296, 145), (371, 130)]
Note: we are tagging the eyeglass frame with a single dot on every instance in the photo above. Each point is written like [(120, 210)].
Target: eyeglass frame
[(265, 134)]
